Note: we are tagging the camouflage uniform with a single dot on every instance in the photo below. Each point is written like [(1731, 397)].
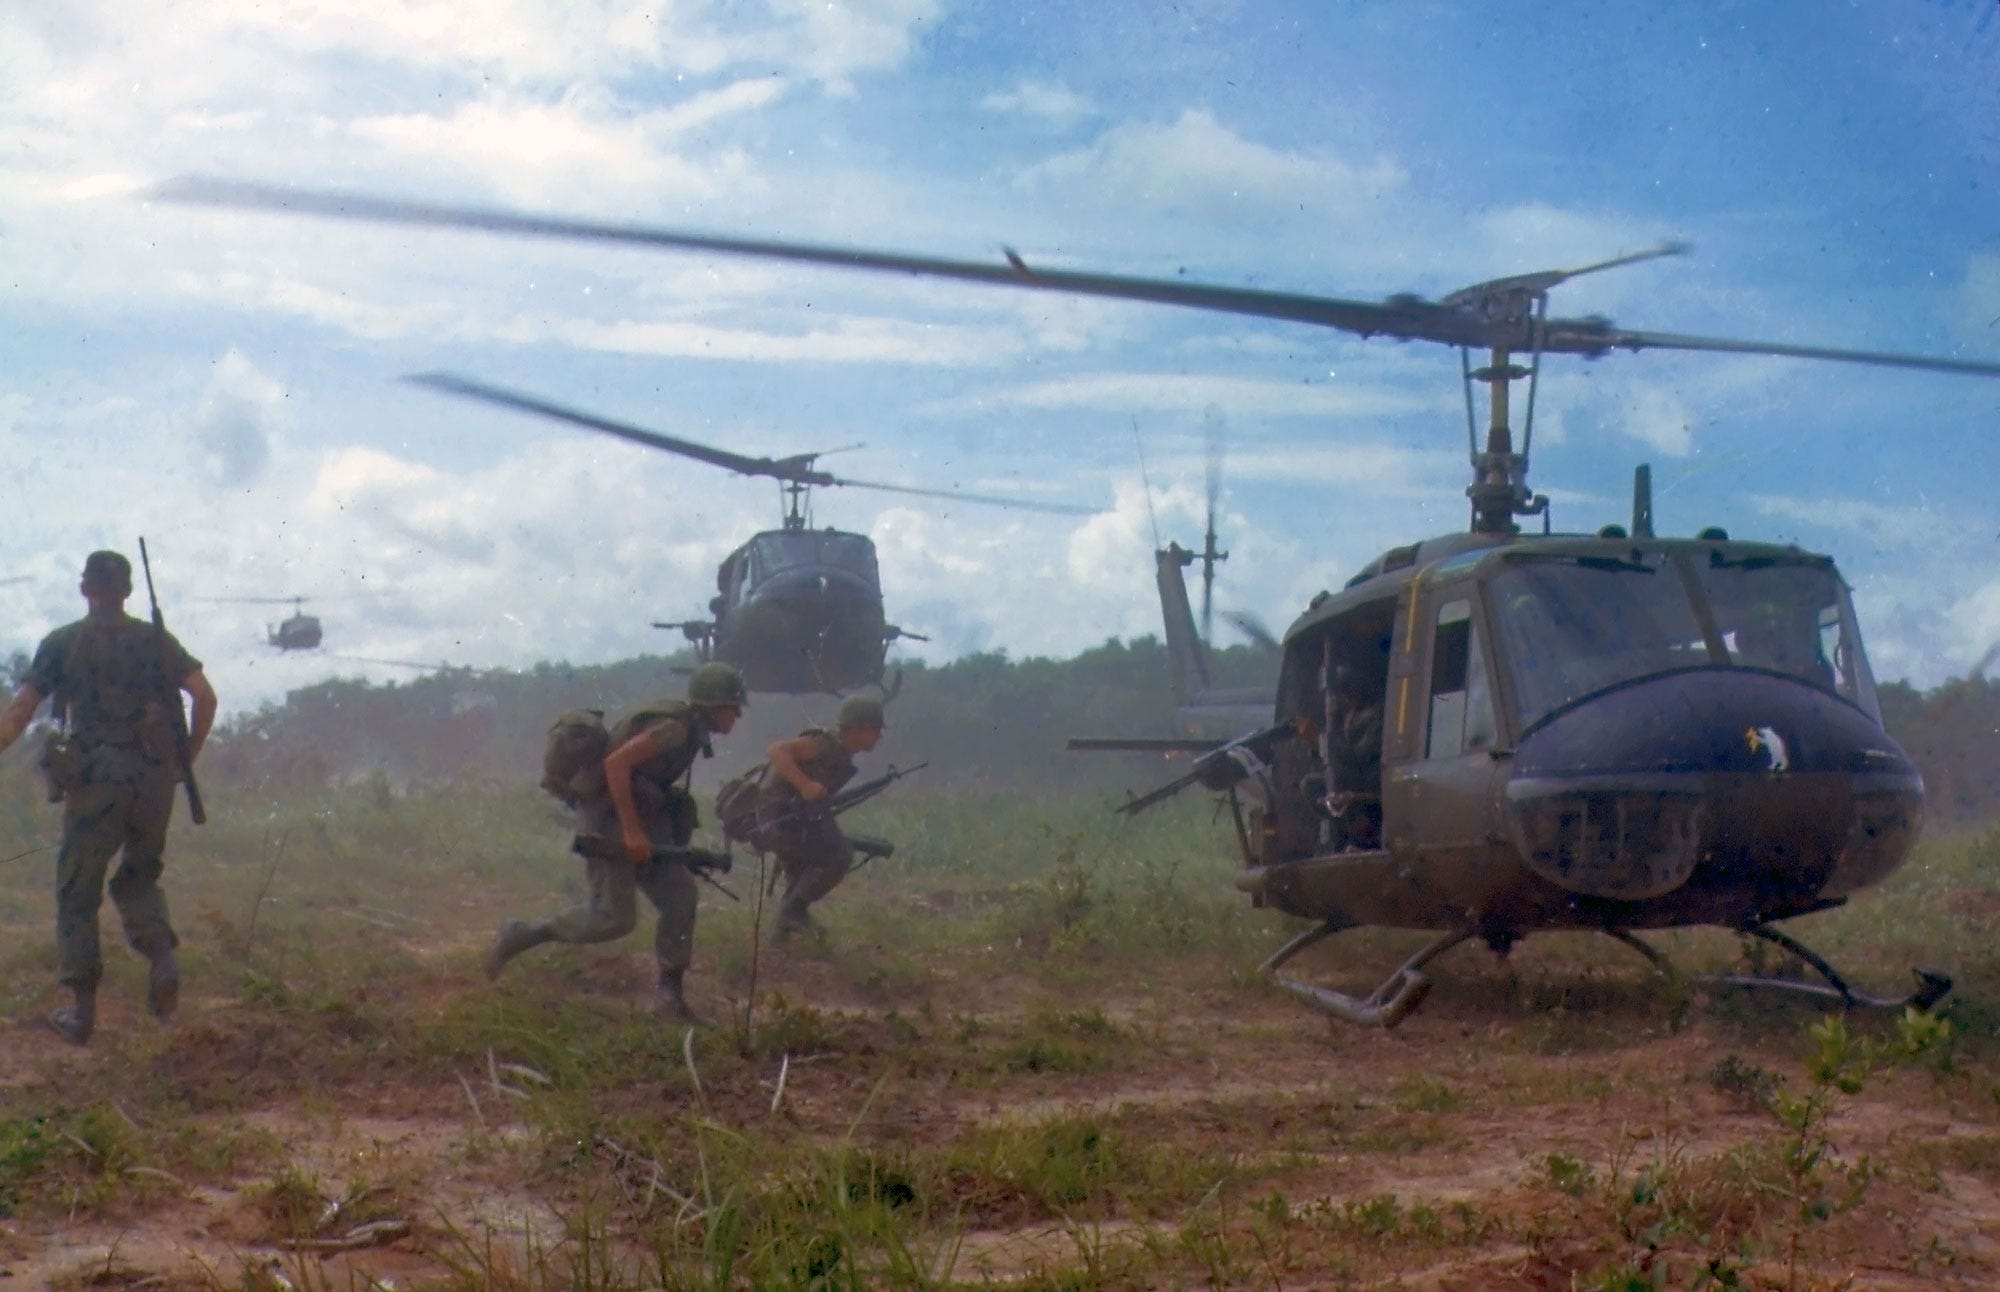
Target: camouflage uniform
[(610, 910), (813, 855), (111, 676)]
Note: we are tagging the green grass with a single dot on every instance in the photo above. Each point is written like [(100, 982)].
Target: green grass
[(959, 1046)]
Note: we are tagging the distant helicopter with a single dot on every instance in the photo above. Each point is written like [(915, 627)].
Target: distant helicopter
[(797, 610), (1494, 734), (299, 632)]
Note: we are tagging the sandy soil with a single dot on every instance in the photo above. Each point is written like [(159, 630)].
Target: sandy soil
[(1464, 1103)]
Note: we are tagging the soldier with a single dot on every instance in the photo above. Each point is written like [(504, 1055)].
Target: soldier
[(113, 676), (812, 853), (651, 751)]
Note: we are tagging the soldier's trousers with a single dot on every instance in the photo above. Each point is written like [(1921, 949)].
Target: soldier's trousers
[(813, 856), (610, 910), (125, 804)]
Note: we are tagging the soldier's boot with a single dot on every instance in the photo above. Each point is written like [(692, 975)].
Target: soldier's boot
[(163, 985), (514, 937), (671, 1004), (794, 918), (75, 1021)]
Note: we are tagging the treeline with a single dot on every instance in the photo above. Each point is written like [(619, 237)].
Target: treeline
[(1953, 732), (984, 720)]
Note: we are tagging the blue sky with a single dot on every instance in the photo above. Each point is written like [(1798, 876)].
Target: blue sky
[(224, 383)]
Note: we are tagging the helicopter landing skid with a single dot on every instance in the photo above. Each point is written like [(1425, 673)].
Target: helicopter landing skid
[(1932, 985), (1389, 1004)]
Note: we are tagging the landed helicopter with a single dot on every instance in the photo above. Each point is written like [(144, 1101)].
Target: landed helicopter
[(1205, 715), (797, 610), (300, 631), (1494, 734)]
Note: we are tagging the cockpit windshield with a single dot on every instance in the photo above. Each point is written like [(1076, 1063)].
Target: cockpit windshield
[(787, 549), (1572, 626), (1788, 614)]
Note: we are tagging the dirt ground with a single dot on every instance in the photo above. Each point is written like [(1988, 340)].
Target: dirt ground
[(1520, 1129)]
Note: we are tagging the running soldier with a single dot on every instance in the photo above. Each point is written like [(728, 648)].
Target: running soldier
[(813, 855), (645, 804), (112, 678)]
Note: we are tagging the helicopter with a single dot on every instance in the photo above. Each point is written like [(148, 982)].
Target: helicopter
[(300, 631), (797, 610), (1205, 715), (1496, 733)]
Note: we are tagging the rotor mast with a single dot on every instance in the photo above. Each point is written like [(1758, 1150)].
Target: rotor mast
[(1499, 489)]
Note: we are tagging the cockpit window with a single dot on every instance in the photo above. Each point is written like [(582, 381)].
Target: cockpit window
[(1572, 626), (1569, 627), (1788, 615), (787, 549)]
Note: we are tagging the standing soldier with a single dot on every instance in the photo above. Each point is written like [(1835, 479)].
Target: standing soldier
[(813, 855), (646, 805), (112, 677)]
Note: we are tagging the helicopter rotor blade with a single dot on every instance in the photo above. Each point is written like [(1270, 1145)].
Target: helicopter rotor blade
[(397, 663), (1363, 317), (1146, 482), (1252, 627), (782, 469), (1548, 278), (986, 499), (1406, 318), (1601, 340), (1212, 447)]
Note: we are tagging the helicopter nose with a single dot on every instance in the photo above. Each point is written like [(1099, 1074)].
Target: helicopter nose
[(1782, 795)]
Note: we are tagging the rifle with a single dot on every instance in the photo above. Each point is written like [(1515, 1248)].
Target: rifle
[(170, 689), (1219, 768), (853, 796), (701, 863)]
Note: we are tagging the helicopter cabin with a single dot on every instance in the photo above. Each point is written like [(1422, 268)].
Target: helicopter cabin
[(778, 551), (1416, 682)]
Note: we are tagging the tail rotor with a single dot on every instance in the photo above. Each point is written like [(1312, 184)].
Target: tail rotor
[(1211, 431)]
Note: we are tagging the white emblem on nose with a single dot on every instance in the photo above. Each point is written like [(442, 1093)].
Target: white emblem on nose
[(1772, 745)]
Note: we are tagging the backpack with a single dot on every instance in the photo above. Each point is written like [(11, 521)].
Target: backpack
[(573, 756), (736, 803)]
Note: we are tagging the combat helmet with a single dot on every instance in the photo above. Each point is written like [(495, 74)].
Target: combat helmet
[(717, 684), (860, 711)]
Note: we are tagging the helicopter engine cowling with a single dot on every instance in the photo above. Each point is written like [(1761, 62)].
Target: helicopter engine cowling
[(1760, 794)]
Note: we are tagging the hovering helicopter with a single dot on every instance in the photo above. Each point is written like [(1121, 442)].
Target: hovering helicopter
[(300, 631), (1494, 734), (797, 609)]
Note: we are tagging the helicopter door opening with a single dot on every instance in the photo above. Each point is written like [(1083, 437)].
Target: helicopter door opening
[(1442, 796), (1335, 679), (1461, 712)]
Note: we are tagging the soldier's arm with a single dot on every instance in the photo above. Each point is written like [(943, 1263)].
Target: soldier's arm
[(618, 765), (20, 711), (203, 695), (785, 756)]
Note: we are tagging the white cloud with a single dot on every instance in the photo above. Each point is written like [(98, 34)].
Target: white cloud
[(1176, 392), (1046, 102), (836, 340), (240, 412), (536, 150), (1199, 167), (1658, 418)]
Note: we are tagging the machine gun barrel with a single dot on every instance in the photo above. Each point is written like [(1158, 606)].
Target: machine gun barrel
[(170, 695), (1217, 763), (700, 862)]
